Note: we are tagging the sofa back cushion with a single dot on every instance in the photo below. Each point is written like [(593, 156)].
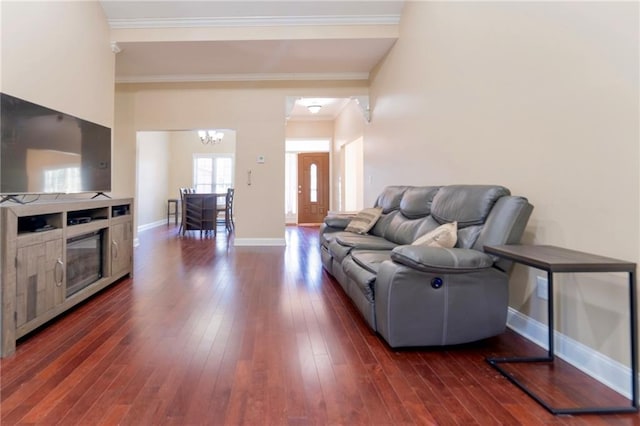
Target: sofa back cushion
[(383, 223), (419, 210), (402, 226), (389, 198), (404, 231), (416, 202), (466, 204)]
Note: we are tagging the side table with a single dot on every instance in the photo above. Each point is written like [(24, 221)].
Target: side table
[(173, 201), (560, 260)]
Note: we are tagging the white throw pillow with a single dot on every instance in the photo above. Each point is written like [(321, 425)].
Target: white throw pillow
[(444, 236), (364, 220)]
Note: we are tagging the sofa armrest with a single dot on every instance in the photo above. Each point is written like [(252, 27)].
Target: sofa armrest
[(441, 260), (338, 221)]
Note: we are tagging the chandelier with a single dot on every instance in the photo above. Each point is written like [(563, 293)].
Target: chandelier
[(210, 136)]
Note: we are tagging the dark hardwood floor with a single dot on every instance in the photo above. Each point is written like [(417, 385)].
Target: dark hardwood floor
[(208, 333)]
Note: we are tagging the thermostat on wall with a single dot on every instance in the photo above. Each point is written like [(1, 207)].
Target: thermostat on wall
[(260, 159)]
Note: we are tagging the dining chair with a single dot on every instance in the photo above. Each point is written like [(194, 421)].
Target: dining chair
[(183, 209), (228, 213), (227, 210)]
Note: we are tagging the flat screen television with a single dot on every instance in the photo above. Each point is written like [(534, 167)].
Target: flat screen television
[(43, 151)]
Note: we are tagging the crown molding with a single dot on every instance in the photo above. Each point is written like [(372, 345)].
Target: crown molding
[(115, 48), (182, 78), (254, 21)]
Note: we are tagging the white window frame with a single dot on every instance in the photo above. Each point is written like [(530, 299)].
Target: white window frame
[(213, 171)]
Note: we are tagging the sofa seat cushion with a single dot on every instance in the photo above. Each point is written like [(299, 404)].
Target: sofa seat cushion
[(370, 259), (338, 252), (328, 237), (342, 245), (365, 242), (441, 260)]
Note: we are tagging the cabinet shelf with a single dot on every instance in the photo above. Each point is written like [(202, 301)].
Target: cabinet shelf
[(83, 228), (39, 223)]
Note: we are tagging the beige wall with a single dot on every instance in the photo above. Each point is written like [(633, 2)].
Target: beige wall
[(541, 97), (153, 167), (256, 111), (123, 175), (349, 127), (58, 54), (321, 129)]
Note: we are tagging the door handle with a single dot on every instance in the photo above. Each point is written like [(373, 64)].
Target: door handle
[(114, 252), (59, 270)]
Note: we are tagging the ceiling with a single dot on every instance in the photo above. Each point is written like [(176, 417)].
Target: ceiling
[(178, 41)]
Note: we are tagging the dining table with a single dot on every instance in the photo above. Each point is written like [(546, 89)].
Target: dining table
[(200, 211)]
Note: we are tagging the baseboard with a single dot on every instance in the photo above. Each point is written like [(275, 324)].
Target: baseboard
[(607, 371), (259, 242), (151, 225)]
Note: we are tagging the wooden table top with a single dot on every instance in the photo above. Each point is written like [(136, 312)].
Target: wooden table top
[(558, 259), (206, 194)]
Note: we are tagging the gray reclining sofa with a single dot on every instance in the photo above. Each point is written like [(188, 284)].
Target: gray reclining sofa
[(416, 295)]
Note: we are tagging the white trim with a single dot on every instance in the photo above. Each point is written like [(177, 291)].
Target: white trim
[(287, 147), (253, 21), (147, 226), (259, 242), (177, 78), (290, 219), (607, 371)]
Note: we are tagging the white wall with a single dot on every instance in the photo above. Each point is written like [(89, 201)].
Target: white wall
[(541, 97), (153, 171)]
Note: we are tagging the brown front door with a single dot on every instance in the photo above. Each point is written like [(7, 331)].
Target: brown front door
[(313, 187)]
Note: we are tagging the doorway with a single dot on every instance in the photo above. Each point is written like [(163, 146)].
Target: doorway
[(313, 187), (294, 147), (172, 159)]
